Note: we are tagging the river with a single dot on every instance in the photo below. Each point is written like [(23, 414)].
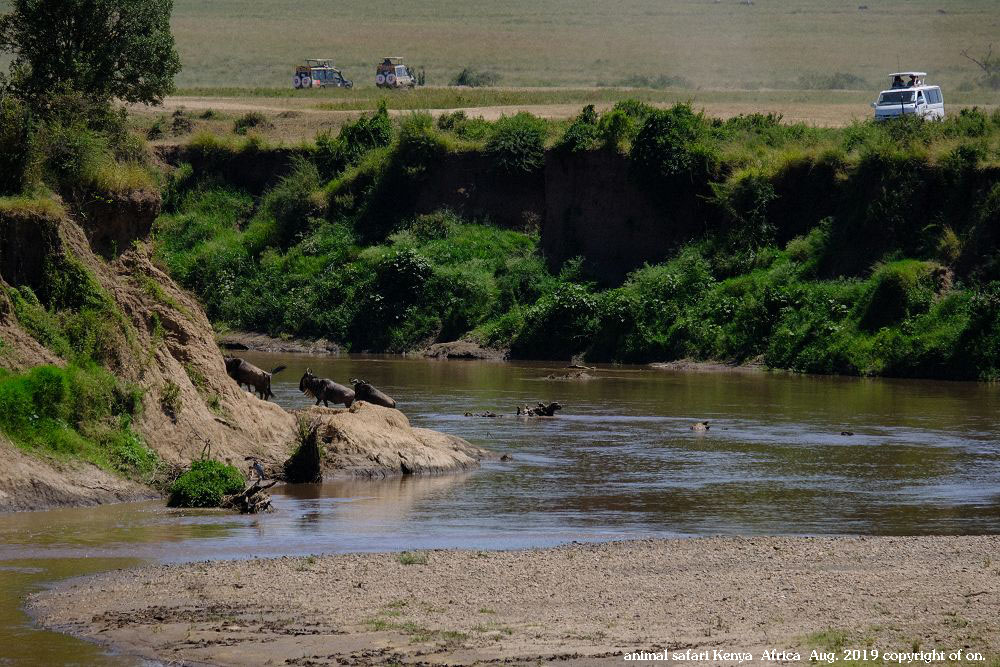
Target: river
[(620, 461)]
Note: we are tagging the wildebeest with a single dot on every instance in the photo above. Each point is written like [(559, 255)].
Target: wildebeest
[(325, 390), (246, 373), (365, 391), (540, 410)]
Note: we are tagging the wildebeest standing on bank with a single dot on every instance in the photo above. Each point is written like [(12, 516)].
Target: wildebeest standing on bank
[(246, 373), (365, 391), (325, 390)]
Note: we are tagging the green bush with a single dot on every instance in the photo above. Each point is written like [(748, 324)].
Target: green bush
[(294, 202), (832, 81), (15, 146), (616, 128), (900, 290), (672, 150), (78, 320), (658, 82), (252, 120), (354, 140), (559, 325), (517, 145), (205, 484), (476, 78), (420, 145), (581, 135)]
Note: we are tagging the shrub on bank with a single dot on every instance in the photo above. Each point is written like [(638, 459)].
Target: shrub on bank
[(517, 144), (252, 120), (672, 149), (355, 139), (205, 484), (15, 146), (582, 134)]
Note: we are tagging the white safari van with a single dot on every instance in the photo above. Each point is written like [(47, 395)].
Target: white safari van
[(908, 94)]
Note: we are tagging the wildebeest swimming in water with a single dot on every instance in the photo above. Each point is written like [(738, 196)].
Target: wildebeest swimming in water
[(365, 391), (246, 373), (540, 410), (325, 390)]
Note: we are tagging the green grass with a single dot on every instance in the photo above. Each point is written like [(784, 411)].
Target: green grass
[(828, 640), (560, 42), (412, 558), (76, 411), (27, 205)]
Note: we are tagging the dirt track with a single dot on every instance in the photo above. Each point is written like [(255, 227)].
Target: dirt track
[(580, 604)]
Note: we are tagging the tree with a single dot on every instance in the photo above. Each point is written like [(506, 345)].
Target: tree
[(104, 49), (990, 65)]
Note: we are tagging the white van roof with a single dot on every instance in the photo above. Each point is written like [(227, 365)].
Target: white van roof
[(917, 74), (920, 87)]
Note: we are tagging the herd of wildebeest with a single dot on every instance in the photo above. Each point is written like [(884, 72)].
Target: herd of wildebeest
[(327, 391), (323, 390)]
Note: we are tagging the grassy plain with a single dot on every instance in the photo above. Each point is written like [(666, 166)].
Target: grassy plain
[(725, 44)]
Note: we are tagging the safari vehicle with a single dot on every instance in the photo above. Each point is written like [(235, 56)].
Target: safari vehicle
[(319, 73), (392, 73), (908, 94)]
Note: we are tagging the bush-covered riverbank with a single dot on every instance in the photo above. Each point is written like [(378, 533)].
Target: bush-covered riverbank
[(866, 250)]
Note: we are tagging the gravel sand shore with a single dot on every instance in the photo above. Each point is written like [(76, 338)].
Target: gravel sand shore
[(582, 604)]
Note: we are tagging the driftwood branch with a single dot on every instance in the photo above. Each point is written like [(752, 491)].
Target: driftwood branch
[(252, 499)]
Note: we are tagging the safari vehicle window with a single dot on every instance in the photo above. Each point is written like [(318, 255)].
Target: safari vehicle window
[(896, 97), (400, 70)]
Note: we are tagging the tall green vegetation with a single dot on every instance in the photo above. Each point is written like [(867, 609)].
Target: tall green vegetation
[(70, 61), (517, 144), (103, 49), (78, 410), (866, 250), (334, 154), (60, 132)]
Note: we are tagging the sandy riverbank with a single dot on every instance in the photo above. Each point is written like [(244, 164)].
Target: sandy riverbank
[(579, 604)]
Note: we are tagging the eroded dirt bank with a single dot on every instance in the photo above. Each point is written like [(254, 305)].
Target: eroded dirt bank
[(165, 347), (579, 604)]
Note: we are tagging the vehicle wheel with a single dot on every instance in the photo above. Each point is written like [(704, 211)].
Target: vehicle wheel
[(296, 82), (307, 82), (380, 79), (390, 79)]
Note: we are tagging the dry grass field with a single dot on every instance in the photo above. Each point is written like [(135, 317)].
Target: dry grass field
[(717, 44), (710, 44)]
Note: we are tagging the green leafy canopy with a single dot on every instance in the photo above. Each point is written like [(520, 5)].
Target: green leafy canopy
[(104, 49)]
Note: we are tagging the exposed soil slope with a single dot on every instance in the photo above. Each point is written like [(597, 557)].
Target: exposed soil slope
[(169, 348), (580, 604)]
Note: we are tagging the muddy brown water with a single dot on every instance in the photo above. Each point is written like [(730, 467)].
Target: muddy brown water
[(620, 461)]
